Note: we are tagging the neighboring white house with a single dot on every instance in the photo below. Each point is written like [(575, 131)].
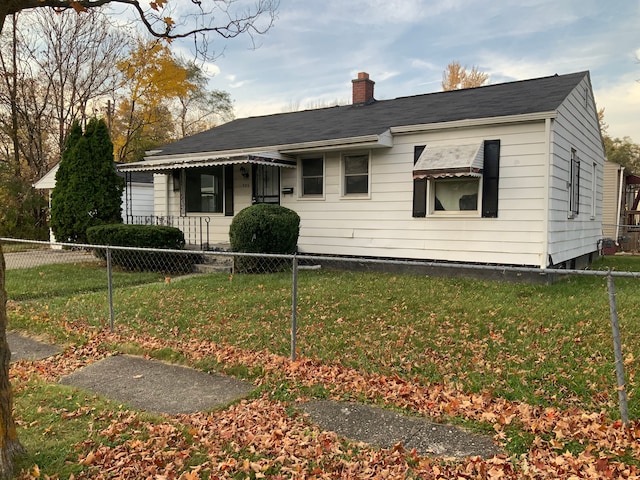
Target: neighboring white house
[(509, 173), (620, 208), (613, 200), (137, 197)]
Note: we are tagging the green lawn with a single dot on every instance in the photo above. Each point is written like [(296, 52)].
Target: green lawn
[(68, 279), (543, 344), (546, 345)]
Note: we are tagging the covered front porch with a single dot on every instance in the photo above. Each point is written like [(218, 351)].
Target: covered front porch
[(201, 195)]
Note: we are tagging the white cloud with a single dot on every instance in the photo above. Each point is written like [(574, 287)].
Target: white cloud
[(211, 69), (621, 102), (238, 84), (318, 46)]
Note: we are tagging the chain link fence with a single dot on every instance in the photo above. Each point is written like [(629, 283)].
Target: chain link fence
[(43, 269)]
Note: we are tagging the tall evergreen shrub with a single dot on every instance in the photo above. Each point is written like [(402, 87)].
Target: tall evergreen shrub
[(88, 191)]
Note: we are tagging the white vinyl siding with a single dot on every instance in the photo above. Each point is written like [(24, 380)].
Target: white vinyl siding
[(576, 126), (384, 226), (140, 197), (610, 199)]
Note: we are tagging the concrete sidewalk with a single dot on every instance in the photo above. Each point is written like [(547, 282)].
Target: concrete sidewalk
[(156, 386), (159, 387), (25, 348)]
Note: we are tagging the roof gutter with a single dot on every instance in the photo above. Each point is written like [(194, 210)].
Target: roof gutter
[(383, 140), (154, 156), (474, 122), (166, 162)]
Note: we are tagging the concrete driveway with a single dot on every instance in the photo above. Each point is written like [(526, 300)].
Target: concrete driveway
[(35, 258)]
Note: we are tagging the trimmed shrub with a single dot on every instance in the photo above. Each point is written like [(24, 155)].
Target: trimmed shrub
[(263, 228), (143, 236)]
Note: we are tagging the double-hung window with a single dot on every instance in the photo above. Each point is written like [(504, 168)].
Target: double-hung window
[(356, 174), (594, 189), (312, 177), (574, 185), (204, 189)]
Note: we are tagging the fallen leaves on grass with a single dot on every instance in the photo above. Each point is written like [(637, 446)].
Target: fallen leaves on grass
[(258, 438)]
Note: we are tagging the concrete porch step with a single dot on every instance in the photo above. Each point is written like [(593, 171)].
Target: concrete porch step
[(212, 268), (214, 264)]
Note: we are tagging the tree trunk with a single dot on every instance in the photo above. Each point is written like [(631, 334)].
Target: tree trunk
[(10, 446)]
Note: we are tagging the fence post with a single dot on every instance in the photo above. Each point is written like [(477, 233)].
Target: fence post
[(617, 348), (294, 307), (207, 220), (110, 287)]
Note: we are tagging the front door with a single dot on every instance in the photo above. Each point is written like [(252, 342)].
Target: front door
[(266, 184)]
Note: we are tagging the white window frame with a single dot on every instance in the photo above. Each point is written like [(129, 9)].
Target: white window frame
[(574, 184), (343, 175), (431, 199), (312, 196), (184, 208), (594, 190)]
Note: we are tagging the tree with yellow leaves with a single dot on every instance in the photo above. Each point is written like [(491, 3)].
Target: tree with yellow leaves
[(152, 78), (456, 77)]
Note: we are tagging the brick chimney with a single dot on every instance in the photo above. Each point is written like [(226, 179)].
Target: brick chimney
[(362, 89)]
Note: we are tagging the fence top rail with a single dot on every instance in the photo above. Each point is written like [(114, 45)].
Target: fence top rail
[(359, 260)]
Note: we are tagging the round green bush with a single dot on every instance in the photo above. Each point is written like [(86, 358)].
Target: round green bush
[(263, 228)]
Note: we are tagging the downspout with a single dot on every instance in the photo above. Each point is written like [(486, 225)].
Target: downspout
[(545, 260), (620, 196)]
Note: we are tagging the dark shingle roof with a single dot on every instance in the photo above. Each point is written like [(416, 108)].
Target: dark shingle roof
[(505, 99), (135, 177)]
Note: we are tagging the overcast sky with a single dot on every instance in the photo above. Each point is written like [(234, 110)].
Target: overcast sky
[(317, 47)]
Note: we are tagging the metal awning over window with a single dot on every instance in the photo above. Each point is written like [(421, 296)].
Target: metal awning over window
[(450, 161), (274, 159)]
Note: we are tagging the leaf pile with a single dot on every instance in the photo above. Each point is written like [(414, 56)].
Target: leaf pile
[(263, 438)]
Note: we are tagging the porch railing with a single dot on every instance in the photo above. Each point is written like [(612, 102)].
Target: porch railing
[(195, 229)]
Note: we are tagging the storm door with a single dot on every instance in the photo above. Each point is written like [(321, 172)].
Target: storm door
[(266, 184)]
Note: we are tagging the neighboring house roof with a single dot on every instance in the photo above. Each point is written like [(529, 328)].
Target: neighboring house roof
[(48, 181), (139, 177), (134, 177), (352, 121)]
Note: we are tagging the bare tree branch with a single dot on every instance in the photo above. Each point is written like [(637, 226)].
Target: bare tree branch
[(166, 19)]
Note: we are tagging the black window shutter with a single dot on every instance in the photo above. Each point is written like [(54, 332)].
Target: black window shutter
[(490, 176), (228, 190), (419, 187)]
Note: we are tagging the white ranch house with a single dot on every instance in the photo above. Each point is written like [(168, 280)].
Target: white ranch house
[(508, 173)]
